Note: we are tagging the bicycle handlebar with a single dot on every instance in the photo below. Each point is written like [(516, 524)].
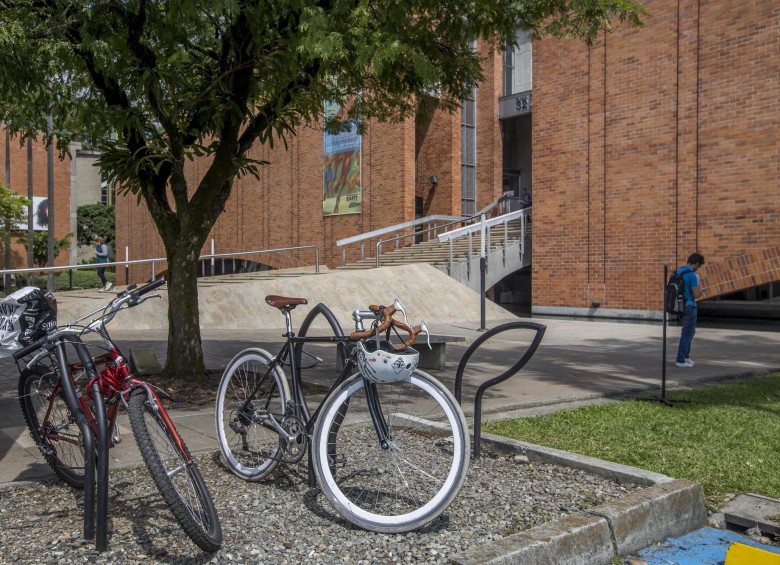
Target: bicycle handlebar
[(129, 296), (24, 351), (387, 312), (387, 319)]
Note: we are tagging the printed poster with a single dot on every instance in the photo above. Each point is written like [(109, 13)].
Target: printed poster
[(341, 193)]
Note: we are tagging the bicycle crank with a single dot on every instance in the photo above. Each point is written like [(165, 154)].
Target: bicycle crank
[(294, 448)]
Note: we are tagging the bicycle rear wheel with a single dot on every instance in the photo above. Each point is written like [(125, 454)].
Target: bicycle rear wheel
[(410, 482), (51, 423), (180, 483), (250, 449)]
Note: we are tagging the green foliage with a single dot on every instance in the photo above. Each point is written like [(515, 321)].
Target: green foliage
[(82, 278), (172, 81), (725, 437), (13, 211), (41, 247), (95, 219)]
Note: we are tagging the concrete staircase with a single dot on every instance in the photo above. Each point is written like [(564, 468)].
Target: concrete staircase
[(506, 254)]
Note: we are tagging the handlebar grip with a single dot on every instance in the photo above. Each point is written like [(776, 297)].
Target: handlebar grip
[(24, 351), (151, 286), (411, 331), (387, 319)]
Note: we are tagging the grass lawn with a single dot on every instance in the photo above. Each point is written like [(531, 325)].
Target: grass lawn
[(727, 438)]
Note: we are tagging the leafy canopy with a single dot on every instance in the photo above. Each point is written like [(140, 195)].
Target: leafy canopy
[(176, 79), (13, 211), (92, 220)]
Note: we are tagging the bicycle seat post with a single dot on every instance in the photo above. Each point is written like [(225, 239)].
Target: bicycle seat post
[(288, 321)]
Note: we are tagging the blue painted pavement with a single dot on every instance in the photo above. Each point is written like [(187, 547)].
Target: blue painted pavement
[(706, 546)]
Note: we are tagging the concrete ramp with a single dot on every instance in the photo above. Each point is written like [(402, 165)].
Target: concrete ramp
[(238, 303)]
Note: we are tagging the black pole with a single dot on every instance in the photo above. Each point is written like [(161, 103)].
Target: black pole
[(50, 207), (69, 392), (482, 291), (663, 355)]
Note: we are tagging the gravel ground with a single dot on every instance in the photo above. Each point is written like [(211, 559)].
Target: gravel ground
[(283, 521)]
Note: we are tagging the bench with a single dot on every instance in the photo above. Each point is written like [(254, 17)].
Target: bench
[(433, 358)]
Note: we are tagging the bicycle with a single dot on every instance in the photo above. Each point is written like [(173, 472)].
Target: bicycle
[(390, 464), (56, 433)]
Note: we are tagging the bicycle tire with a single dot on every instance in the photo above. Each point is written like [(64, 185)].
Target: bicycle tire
[(249, 449), (406, 486), (181, 484), (57, 434)]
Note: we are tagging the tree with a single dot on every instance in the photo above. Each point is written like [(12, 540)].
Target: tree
[(92, 220), (41, 247), (176, 80), (13, 212)]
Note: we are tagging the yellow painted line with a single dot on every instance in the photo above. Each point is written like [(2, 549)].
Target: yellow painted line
[(741, 554)]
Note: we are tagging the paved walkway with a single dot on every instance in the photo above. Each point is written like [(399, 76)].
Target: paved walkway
[(578, 362)]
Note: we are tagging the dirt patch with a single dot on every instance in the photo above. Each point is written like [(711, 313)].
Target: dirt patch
[(204, 392)]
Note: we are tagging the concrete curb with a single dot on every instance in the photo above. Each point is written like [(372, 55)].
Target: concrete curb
[(667, 508)]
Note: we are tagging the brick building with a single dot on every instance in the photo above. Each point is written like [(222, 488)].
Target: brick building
[(638, 150)]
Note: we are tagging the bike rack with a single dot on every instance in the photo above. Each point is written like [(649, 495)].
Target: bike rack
[(319, 309), (539, 328), (95, 475)]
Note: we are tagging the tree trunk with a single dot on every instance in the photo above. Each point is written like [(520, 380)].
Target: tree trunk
[(185, 354)]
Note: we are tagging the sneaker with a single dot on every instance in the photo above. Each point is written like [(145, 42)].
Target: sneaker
[(689, 360), (107, 287), (686, 364)]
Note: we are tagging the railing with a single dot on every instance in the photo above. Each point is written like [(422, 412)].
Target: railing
[(155, 261), (483, 227), (433, 222), (499, 206)]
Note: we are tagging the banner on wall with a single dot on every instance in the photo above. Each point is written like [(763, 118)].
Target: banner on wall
[(40, 215), (341, 191)]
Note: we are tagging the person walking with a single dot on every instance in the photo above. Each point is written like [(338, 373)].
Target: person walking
[(101, 253), (692, 292)]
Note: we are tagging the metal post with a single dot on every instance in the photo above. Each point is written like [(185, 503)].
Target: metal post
[(127, 265), (663, 348), (7, 277), (30, 218), (50, 206), (482, 270), (212, 256)]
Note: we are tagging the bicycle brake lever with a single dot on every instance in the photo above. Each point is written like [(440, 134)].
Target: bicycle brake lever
[(424, 328), (399, 308)]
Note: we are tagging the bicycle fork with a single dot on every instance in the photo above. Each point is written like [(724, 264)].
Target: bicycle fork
[(377, 417)]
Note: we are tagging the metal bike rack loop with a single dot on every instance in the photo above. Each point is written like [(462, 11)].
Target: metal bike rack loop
[(319, 309), (101, 445), (539, 328), (71, 399)]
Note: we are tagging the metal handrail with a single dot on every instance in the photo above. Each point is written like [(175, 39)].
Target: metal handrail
[(483, 227), (479, 215), (127, 262), (361, 238)]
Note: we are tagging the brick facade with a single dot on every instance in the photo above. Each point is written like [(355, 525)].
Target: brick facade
[(654, 143), (648, 145), (16, 174)]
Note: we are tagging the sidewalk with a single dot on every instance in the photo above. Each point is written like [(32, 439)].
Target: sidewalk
[(578, 362)]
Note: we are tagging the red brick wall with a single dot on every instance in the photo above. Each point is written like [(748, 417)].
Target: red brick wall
[(13, 158), (652, 144)]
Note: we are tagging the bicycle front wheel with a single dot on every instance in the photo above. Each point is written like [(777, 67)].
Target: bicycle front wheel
[(51, 424), (180, 483), (415, 476), (249, 398)]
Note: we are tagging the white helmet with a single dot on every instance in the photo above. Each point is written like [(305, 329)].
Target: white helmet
[(386, 363)]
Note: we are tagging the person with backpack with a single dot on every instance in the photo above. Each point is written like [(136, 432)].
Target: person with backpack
[(691, 292), (102, 252)]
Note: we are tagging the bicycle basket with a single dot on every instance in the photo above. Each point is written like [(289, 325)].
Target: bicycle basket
[(25, 316), (385, 364)]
